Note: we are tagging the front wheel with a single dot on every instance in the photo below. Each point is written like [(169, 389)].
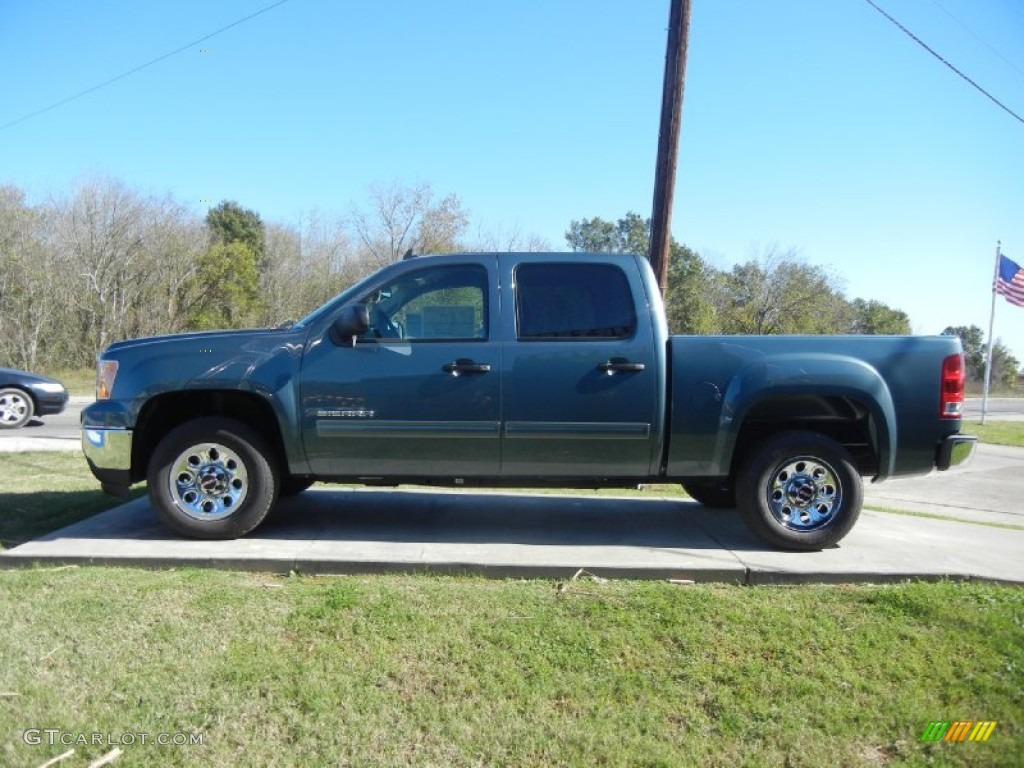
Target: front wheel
[(800, 491), (15, 408), (212, 478)]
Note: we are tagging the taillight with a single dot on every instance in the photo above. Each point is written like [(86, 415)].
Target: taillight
[(951, 397), (106, 372)]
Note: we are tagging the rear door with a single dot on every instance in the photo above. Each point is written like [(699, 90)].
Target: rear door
[(580, 379)]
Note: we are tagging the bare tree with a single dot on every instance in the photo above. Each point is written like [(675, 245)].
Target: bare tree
[(403, 217), (505, 239), (25, 302), (306, 265)]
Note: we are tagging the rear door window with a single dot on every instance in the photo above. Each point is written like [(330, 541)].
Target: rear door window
[(573, 301)]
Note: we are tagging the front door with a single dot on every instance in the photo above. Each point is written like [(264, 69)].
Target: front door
[(419, 393)]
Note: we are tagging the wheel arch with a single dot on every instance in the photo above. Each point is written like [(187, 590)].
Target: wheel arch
[(839, 397), (164, 412)]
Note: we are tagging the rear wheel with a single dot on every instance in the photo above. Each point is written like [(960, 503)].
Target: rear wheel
[(716, 494), (800, 491), (212, 479), (16, 408)]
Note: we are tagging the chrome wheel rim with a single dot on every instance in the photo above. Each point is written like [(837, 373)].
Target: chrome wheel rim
[(208, 481), (13, 408), (804, 494)]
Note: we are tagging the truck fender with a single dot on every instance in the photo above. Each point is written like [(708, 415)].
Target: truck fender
[(776, 376)]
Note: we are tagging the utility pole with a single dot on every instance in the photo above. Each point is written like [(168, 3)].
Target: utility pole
[(668, 138)]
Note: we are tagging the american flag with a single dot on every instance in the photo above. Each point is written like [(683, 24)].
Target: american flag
[(1010, 281)]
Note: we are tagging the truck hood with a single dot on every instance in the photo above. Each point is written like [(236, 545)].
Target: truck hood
[(265, 360), (213, 338)]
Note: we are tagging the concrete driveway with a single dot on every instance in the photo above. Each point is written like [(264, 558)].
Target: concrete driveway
[(334, 530), (989, 490)]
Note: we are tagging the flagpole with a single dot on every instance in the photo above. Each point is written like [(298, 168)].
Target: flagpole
[(991, 324)]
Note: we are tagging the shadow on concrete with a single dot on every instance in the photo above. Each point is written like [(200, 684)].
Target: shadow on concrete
[(403, 516), (478, 518)]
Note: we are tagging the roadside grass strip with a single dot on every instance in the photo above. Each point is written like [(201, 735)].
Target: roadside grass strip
[(997, 432), (253, 670)]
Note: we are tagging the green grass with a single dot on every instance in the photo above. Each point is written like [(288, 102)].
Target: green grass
[(997, 432), (947, 518), (418, 670), (46, 490)]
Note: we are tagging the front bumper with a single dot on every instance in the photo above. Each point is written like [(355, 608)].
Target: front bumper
[(109, 453), (955, 451), (50, 403)]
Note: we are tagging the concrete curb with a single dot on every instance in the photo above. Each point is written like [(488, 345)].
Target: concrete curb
[(744, 577)]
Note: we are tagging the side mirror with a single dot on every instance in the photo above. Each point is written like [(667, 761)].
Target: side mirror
[(353, 321)]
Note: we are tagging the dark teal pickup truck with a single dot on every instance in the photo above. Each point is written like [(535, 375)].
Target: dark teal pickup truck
[(518, 370)]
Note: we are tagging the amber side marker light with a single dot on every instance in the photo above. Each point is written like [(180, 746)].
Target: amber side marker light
[(106, 372)]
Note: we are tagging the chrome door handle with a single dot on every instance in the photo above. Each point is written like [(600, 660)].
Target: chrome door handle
[(465, 365), (620, 365)]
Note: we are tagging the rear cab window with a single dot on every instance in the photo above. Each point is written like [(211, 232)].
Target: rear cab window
[(573, 301)]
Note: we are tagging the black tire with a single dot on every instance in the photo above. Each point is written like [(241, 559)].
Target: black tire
[(714, 494), (16, 408), (800, 491), (293, 486), (212, 478)]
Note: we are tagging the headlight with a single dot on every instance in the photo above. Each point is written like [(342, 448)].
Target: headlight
[(50, 387), (106, 372)]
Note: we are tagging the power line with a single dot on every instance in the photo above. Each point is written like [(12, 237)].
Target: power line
[(924, 45), (123, 75), (975, 35)]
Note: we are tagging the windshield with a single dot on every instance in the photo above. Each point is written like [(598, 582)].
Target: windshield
[(332, 304)]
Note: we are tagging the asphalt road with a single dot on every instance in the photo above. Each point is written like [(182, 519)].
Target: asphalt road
[(999, 409)]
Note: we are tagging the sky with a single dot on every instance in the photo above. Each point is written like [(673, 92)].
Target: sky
[(813, 125)]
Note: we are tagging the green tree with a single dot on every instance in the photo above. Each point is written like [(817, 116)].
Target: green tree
[(778, 293), (688, 303), (224, 293), (593, 236), (1005, 367), (630, 234), (229, 222), (874, 317)]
